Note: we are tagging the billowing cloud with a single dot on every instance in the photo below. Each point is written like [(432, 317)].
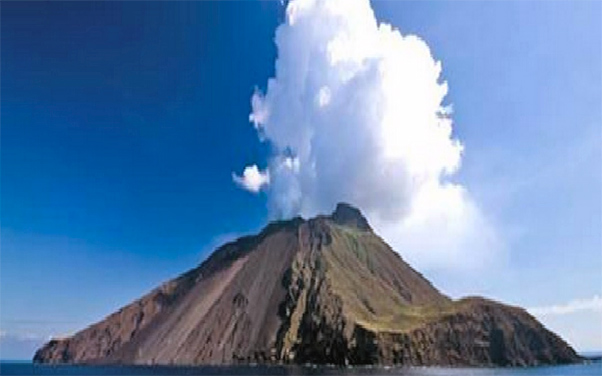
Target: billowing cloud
[(593, 304), (356, 113), (252, 179)]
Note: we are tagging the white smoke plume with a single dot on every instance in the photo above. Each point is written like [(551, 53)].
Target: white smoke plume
[(355, 113)]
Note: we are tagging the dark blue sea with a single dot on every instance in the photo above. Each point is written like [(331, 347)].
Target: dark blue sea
[(7, 368)]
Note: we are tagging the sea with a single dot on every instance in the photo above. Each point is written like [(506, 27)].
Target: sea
[(593, 368)]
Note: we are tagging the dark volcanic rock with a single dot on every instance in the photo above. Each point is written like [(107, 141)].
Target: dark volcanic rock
[(325, 290), (347, 215)]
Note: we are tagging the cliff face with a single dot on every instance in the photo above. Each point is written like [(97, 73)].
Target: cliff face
[(325, 290)]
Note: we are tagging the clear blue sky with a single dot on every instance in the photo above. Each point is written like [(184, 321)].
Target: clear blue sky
[(122, 122)]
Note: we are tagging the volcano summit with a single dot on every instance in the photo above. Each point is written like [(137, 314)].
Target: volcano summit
[(327, 290)]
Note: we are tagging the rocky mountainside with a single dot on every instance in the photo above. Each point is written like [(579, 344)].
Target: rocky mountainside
[(323, 290)]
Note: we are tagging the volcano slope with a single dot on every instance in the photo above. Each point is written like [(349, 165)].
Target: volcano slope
[(326, 290)]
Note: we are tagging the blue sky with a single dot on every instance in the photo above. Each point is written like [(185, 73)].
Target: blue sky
[(122, 123)]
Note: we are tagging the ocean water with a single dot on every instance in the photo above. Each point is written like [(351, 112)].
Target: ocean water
[(591, 369)]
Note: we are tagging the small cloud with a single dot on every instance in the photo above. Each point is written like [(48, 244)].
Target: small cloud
[(252, 179), (592, 304)]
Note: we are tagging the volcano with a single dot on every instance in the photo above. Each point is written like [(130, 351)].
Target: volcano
[(326, 290)]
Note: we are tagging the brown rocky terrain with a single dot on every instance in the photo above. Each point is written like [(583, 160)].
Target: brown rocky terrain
[(326, 290)]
